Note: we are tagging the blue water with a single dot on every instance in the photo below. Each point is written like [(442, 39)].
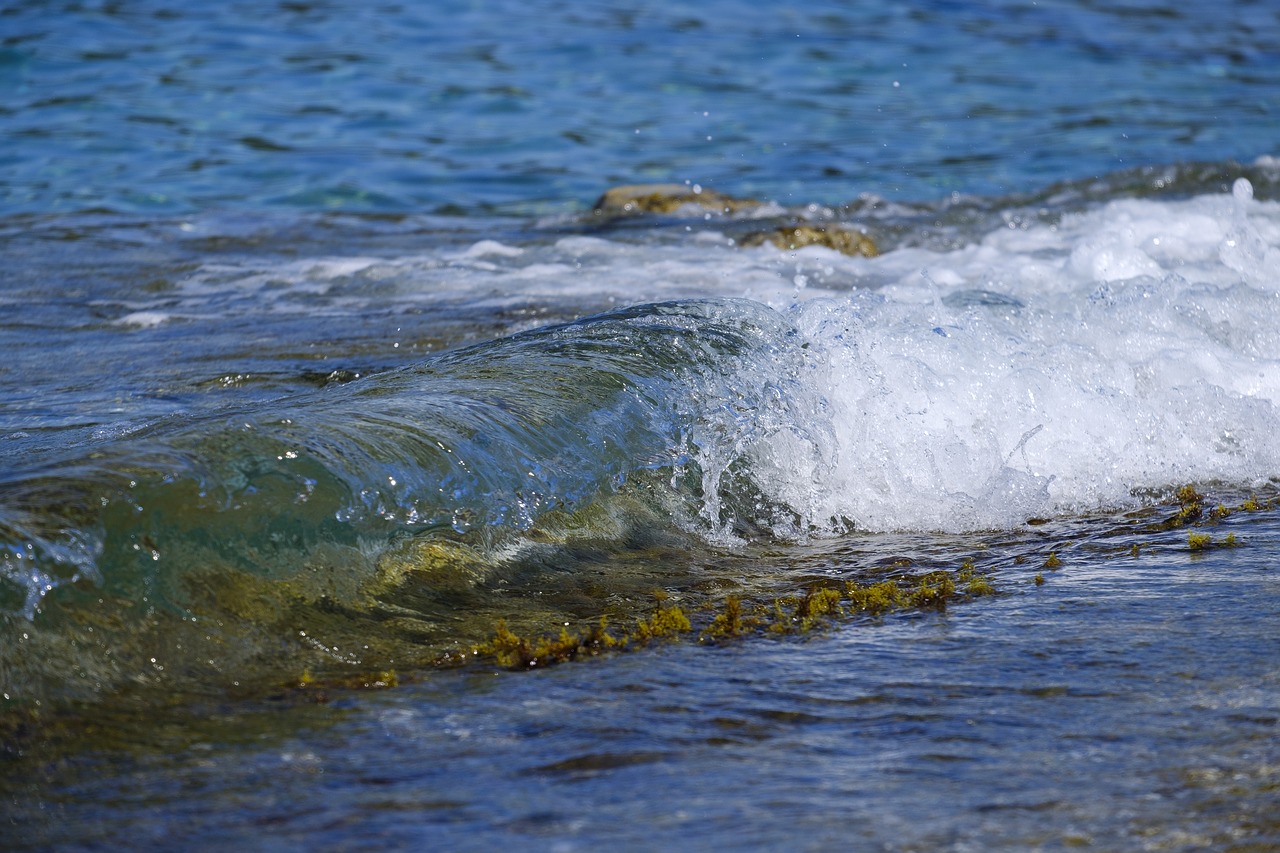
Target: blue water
[(1126, 704), (527, 107), (318, 362)]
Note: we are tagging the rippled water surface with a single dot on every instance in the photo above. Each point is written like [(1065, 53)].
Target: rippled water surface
[(1126, 703), (332, 389), (521, 107)]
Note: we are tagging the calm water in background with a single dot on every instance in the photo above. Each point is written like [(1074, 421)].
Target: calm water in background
[(234, 233), (527, 107)]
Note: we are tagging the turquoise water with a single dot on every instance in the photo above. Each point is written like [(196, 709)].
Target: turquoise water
[(322, 361)]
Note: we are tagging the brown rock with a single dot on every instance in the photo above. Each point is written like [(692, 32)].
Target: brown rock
[(844, 240), (665, 198)]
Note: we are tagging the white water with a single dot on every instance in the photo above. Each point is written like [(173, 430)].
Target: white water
[(1043, 368), (1056, 368), (1144, 355)]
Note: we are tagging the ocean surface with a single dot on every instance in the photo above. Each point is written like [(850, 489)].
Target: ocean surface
[(891, 464)]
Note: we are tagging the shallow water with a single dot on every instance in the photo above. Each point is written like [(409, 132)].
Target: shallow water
[(322, 362), (1126, 703)]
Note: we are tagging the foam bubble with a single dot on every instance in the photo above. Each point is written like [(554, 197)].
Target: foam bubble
[(492, 247), (1242, 190), (1127, 356), (144, 319)]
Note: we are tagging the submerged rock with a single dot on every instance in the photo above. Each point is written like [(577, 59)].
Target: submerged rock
[(666, 198), (844, 240), (638, 199)]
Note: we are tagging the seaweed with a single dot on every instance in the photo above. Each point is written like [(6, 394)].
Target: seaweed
[(980, 585), (666, 621), (729, 623), (1190, 509), (735, 616), (512, 651), (875, 598), (933, 590), (975, 584), (1203, 542), (818, 604)]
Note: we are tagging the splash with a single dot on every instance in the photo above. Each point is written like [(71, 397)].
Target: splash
[(476, 445), (1056, 365)]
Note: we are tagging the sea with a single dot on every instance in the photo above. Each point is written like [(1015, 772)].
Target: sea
[(640, 426)]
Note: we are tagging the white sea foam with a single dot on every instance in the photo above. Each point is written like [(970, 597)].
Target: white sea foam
[(144, 319), (1041, 369), (1045, 367), (1056, 368), (491, 247)]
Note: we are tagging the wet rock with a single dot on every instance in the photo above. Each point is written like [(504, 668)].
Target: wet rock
[(639, 199), (844, 240), (666, 198)]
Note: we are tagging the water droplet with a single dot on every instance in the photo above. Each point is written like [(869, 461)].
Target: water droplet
[(1242, 189)]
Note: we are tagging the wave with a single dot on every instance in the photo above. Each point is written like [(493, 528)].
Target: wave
[(480, 441), (1092, 359), (655, 405)]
